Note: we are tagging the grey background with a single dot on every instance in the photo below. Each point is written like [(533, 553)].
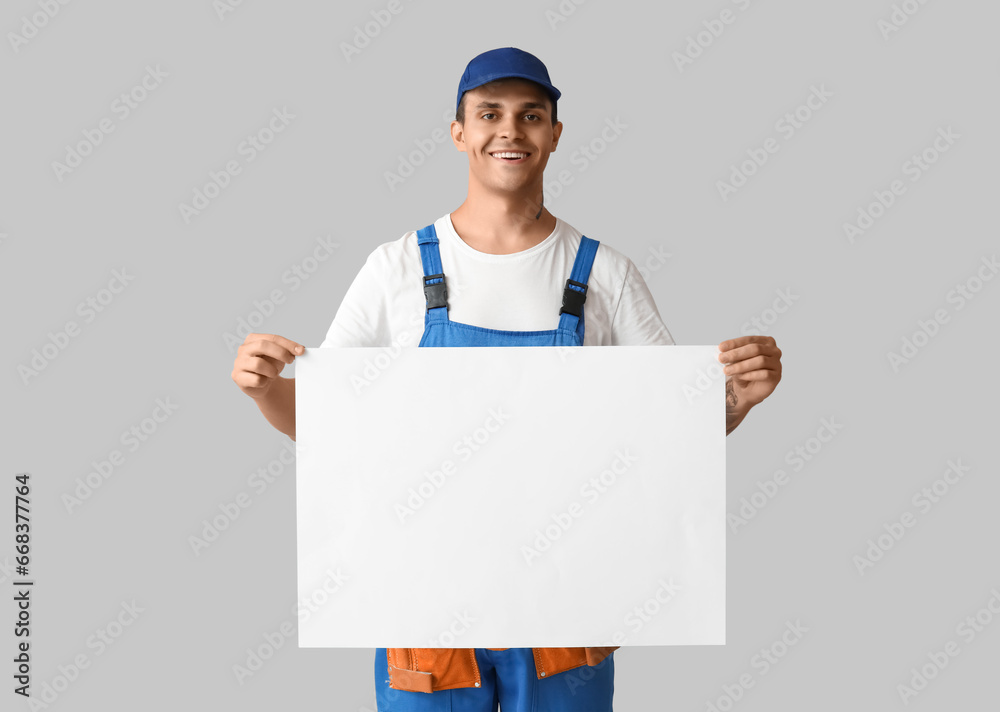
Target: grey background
[(653, 188)]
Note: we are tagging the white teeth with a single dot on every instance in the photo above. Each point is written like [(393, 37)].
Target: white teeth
[(509, 154)]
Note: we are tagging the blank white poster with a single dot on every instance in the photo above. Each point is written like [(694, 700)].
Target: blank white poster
[(504, 497)]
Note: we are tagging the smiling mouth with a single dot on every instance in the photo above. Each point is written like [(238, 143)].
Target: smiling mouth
[(510, 156)]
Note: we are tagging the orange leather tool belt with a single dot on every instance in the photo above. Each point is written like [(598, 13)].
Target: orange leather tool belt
[(433, 669)]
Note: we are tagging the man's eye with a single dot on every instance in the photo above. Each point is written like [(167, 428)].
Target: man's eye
[(486, 116), (532, 116)]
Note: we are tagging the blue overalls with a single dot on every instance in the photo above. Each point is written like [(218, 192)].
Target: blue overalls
[(508, 677)]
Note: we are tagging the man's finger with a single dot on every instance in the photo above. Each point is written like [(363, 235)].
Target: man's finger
[(751, 364), (263, 365), (292, 346), (748, 351), (743, 340), (760, 375), (272, 345)]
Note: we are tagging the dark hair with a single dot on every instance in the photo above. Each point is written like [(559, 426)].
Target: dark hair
[(460, 113)]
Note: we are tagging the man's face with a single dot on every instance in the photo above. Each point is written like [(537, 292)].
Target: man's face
[(501, 118)]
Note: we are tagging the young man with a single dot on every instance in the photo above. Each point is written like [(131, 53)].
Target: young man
[(500, 270)]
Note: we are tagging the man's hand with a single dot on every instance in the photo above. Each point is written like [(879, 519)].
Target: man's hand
[(753, 370), (259, 361)]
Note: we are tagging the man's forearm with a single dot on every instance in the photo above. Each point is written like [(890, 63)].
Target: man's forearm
[(278, 405), (735, 411)]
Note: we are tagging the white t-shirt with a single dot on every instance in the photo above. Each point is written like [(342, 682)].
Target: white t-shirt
[(385, 304)]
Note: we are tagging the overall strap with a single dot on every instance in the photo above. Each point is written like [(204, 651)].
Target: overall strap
[(575, 292), (435, 290)]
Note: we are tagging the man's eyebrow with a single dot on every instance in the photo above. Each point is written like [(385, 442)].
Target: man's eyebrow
[(498, 105)]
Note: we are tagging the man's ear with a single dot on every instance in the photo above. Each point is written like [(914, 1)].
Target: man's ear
[(556, 133), (458, 135)]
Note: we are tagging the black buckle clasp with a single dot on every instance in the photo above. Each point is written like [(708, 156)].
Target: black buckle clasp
[(436, 294), (573, 299)]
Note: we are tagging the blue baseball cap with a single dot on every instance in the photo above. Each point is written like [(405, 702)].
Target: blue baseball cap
[(505, 63)]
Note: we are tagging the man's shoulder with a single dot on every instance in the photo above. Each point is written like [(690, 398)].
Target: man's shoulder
[(607, 257), (402, 256), (390, 253), (616, 259)]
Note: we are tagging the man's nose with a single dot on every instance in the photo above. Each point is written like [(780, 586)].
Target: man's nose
[(510, 128)]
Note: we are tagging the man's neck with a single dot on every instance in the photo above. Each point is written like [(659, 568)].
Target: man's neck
[(500, 226)]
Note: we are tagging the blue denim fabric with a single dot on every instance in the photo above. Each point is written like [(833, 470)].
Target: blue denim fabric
[(508, 677), (439, 330)]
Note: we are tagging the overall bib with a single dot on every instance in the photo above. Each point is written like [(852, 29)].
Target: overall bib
[(508, 677)]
